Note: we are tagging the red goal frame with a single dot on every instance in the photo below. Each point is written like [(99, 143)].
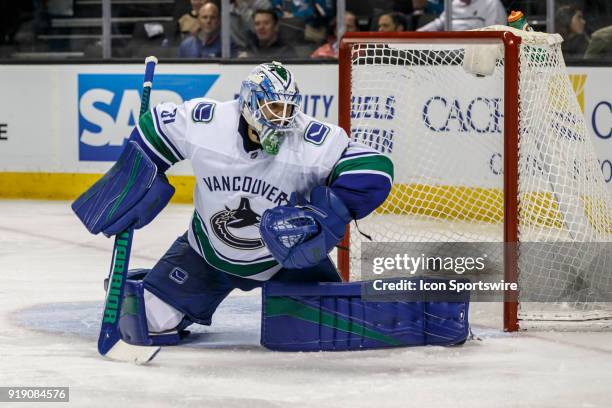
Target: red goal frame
[(511, 45)]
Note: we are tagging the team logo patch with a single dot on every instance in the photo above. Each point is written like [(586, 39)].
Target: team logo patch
[(178, 275), (316, 133), (203, 112), (225, 223)]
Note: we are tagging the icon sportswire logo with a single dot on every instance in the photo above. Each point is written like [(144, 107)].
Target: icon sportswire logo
[(108, 107)]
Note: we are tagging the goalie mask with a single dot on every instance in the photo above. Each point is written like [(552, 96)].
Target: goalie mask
[(270, 101)]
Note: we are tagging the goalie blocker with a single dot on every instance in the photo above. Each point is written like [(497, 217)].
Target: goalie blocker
[(333, 316)]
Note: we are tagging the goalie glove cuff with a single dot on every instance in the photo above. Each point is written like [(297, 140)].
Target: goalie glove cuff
[(334, 214)]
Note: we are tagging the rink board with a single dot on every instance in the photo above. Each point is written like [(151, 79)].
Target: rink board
[(55, 118)]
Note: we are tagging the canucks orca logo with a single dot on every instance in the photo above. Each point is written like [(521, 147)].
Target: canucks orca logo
[(226, 221)]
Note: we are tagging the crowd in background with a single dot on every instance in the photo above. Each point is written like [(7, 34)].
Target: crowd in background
[(269, 29)]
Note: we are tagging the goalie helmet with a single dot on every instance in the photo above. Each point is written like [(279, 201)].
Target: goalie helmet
[(269, 101)]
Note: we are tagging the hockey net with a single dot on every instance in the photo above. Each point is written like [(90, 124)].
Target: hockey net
[(503, 156)]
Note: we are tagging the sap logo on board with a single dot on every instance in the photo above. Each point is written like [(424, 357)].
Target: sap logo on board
[(480, 115), (109, 105)]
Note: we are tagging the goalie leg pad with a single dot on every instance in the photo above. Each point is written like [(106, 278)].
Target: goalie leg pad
[(333, 316), (133, 320)]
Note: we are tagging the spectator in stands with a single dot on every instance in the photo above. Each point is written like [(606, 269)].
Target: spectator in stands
[(598, 13), (330, 48), (12, 14), (206, 42), (392, 22), (600, 46), (268, 44), (470, 14), (150, 38), (241, 20), (424, 11), (570, 23), (430, 6), (316, 15), (188, 23)]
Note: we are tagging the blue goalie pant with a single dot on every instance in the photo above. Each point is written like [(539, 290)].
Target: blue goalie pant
[(186, 282)]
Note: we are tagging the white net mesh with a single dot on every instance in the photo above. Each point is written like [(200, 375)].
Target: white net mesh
[(443, 129)]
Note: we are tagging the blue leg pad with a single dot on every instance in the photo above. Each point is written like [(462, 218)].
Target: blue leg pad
[(133, 320), (333, 316)]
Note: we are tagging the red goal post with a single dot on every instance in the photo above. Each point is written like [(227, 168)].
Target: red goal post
[(489, 145), (511, 44)]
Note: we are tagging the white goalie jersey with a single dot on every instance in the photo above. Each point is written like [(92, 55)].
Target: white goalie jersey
[(235, 186)]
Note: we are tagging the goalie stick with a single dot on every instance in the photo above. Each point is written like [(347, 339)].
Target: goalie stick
[(110, 344)]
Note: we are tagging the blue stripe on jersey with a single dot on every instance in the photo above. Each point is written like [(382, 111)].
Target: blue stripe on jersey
[(166, 139), (362, 193), (162, 166), (346, 156)]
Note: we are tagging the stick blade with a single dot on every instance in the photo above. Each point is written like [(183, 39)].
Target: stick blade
[(122, 351)]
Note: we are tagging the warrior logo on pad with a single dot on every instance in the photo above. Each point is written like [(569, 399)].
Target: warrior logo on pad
[(225, 222)]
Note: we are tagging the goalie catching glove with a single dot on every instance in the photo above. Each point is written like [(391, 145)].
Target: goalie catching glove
[(131, 194), (300, 235)]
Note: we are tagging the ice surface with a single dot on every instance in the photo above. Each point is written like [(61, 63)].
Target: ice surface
[(51, 292)]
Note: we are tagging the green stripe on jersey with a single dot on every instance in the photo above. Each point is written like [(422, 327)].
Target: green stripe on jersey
[(211, 257), (378, 162), (148, 129)]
